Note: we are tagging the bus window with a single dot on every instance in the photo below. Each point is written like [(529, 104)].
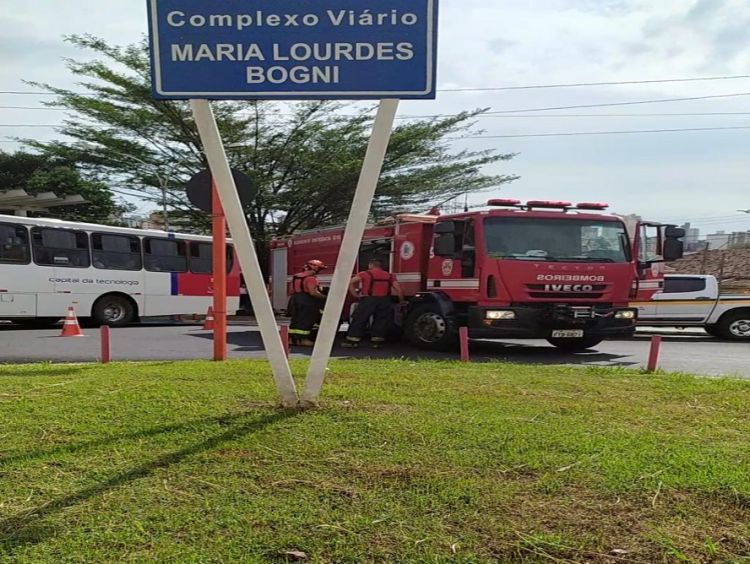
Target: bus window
[(201, 257), (165, 255), (116, 252), (60, 247), (14, 244)]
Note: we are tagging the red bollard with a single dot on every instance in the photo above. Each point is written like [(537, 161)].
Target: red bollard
[(653, 353), (284, 332), (105, 344), (463, 337)]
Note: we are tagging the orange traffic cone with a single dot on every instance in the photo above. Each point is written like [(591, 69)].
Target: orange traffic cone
[(208, 324), (70, 326)]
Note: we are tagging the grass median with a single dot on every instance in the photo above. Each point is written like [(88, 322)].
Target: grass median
[(405, 461)]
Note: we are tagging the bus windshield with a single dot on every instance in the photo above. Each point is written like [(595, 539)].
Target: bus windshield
[(565, 240)]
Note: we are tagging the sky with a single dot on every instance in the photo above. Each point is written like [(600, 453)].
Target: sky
[(697, 176)]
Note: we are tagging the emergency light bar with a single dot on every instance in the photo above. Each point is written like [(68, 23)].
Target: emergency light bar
[(547, 204), (592, 206), (504, 202)]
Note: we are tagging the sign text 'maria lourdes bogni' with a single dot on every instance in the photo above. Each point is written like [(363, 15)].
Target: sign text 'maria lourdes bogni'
[(293, 49)]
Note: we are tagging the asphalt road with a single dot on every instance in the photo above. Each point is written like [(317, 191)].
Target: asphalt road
[(692, 352)]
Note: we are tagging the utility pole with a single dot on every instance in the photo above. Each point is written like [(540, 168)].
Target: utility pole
[(163, 183), (163, 180)]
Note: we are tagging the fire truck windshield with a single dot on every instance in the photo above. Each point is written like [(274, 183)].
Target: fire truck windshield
[(553, 239)]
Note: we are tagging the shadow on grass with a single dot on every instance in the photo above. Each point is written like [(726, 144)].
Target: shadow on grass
[(37, 369), (108, 440), (29, 528)]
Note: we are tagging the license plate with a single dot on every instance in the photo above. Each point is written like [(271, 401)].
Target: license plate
[(567, 334)]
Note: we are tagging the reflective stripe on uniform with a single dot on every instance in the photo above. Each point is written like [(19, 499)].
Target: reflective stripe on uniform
[(299, 332)]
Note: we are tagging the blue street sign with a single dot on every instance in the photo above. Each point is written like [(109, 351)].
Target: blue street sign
[(293, 49)]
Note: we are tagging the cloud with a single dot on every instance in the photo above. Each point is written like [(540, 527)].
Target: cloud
[(712, 34), (500, 45), (21, 50), (605, 7), (703, 9)]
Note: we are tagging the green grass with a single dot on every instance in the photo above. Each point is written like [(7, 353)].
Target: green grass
[(418, 462)]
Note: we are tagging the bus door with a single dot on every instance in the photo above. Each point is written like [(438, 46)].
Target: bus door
[(165, 262), (16, 297), (64, 257)]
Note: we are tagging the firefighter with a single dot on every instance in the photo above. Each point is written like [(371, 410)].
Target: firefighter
[(374, 288), (306, 304), (245, 305)]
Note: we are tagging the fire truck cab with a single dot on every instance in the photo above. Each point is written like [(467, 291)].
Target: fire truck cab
[(542, 270)]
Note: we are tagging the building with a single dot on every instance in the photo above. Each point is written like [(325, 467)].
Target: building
[(692, 234), (153, 221), (739, 240), (723, 240), (692, 238), (718, 240)]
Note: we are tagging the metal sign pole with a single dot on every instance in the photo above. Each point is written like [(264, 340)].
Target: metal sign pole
[(355, 228), (230, 200), (219, 270)]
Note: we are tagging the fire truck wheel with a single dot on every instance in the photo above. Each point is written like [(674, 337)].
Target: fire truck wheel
[(113, 310), (735, 326), (427, 328), (575, 345)]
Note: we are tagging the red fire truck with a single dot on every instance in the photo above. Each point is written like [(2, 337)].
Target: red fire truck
[(549, 270)]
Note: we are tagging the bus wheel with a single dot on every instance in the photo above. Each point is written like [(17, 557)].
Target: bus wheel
[(113, 310), (427, 328), (574, 345)]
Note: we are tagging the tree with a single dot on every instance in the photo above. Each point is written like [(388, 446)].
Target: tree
[(304, 158), (39, 173)]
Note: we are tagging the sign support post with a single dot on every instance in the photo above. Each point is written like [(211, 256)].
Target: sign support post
[(341, 50), (219, 269), (256, 287), (355, 228)]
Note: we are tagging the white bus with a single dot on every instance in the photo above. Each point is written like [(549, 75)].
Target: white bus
[(112, 275)]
